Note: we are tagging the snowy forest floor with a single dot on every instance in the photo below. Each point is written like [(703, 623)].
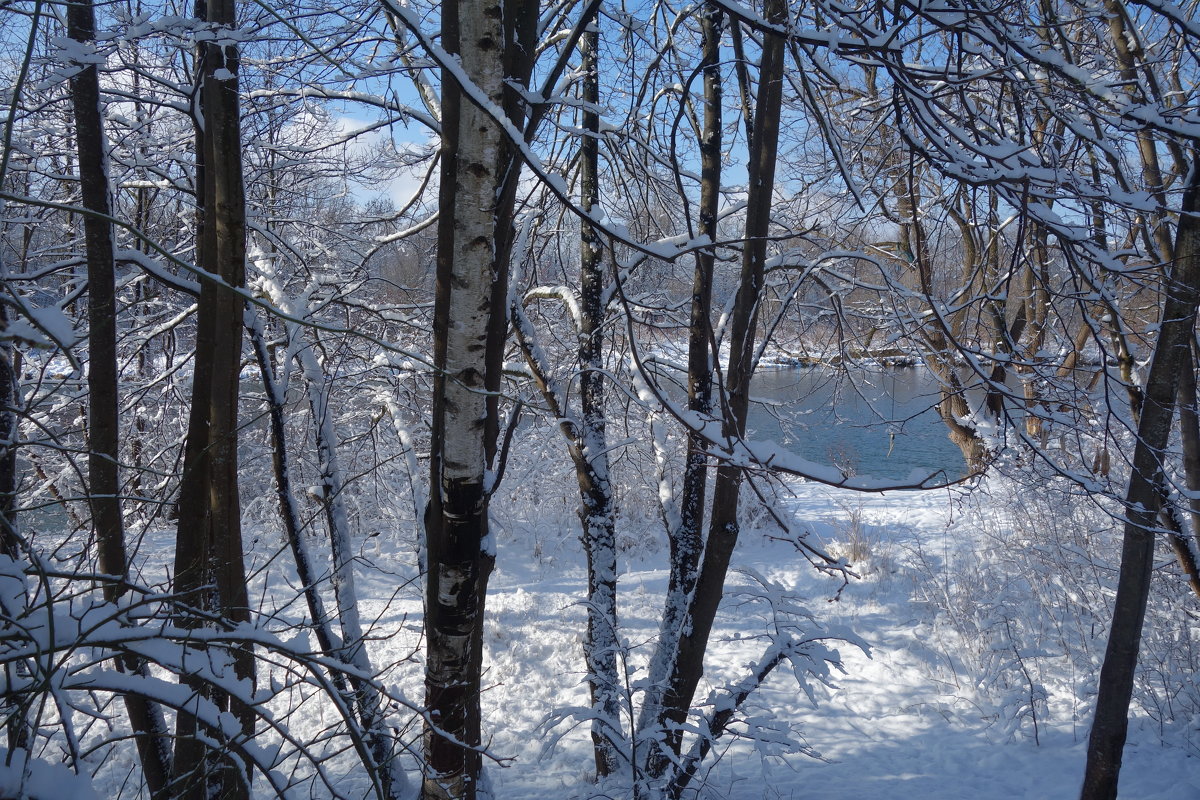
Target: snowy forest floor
[(897, 721), (916, 716)]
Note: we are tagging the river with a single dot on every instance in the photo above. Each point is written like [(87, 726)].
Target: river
[(880, 423)]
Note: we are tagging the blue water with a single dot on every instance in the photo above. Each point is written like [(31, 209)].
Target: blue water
[(881, 423)]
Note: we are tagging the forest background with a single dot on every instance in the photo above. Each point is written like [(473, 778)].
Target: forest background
[(243, 374)]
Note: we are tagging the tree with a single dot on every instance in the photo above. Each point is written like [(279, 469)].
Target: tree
[(209, 571), (493, 43), (688, 664), (685, 527), (1025, 257), (1146, 497), (585, 429), (104, 452), (1140, 287), (596, 511)]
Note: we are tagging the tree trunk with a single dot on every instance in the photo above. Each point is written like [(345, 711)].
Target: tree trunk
[(953, 408), (1144, 499), (353, 651), (684, 535), (289, 511), (103, 382), (596, 510), (723, 523), (478, 187), (350, 651), (209, 570), (1189, 436), (9, 543), (17, 732)]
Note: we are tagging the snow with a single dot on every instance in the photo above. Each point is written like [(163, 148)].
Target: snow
[(903, 713), (949, 648), (47, 327), (917, 699), (35, 779)]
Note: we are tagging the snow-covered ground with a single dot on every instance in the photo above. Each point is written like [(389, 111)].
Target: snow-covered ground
[(905, 719), (930, 712)]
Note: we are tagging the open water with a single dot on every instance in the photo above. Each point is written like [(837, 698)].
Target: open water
[(881, 423)]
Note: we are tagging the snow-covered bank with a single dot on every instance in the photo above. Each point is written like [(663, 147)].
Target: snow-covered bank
[(962, 696), (909, 718)]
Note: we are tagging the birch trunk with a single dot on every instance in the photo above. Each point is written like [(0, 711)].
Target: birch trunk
[(478, 187)]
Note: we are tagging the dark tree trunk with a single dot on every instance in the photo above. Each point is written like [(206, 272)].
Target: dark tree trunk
[(701, 342), (103, 382), (209, 570), (1143, 502), (723, 524), (596, 512), (685, 540), (16, 727), (9, 543), (1183, 544), (289, 512)]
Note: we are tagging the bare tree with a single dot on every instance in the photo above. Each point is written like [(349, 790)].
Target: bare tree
[(104, 451), (209, 571), (596, 512), (688, 663), (1146, 497), (685, 528)]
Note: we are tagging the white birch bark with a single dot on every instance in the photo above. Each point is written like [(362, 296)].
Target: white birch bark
[(465, 322)]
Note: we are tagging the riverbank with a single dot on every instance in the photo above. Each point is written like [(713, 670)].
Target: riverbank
[(924, 710)]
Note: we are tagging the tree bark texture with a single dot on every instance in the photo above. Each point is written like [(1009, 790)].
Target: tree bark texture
[(16, 726), (104, 492), (1184, 545), (1143, 502), (596, 511), (209, 570), (9, 544), (475, 234)]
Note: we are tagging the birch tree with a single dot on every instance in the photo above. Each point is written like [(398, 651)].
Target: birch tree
[(489, 47)]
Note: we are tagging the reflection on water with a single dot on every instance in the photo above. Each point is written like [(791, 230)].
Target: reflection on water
[(880, 423)]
